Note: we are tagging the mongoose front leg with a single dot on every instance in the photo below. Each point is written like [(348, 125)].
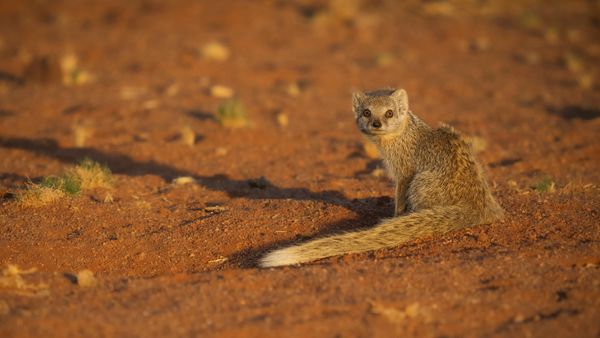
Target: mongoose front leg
[(401, 187)]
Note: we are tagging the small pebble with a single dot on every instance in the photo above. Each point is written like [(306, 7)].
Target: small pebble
[(86, 279), (220, 91)]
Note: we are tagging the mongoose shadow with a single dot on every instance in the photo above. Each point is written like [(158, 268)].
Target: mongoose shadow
[(123, 164), (370, 210), (574, 112), (11, 78)]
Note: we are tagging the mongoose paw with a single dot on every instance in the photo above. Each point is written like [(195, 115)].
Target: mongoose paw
[(279, 257)]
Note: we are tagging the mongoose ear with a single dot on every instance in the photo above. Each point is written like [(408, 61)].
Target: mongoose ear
[(400, 96), (357, 100)]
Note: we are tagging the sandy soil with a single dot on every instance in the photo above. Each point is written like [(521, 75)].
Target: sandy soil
[(520, 77)]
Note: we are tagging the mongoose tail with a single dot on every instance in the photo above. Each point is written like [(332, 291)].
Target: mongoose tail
[(390, 232)]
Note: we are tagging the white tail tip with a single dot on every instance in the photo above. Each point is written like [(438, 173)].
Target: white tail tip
[(279, 257)]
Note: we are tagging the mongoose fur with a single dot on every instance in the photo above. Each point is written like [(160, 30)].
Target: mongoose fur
[(440, 187)]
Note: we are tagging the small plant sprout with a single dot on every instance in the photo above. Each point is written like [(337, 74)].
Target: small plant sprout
[(81, 133), (545, 185), (231, 114), (188, 136), (72, 74)]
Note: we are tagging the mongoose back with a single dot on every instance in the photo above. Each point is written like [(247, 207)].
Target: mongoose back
[(439, 185)]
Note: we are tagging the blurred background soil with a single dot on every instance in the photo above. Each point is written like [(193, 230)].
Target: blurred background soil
[(249, 101)]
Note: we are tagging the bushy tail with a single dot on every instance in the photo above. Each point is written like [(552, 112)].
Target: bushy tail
[(388, 233)]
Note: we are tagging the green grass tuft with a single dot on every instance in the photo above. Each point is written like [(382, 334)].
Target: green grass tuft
[(91, 174), (87, 174), (69, 184)]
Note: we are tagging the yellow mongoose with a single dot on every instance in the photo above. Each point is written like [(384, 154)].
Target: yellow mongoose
[(439, 184)]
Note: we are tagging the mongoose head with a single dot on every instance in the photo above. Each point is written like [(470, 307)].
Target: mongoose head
[(381, 112)]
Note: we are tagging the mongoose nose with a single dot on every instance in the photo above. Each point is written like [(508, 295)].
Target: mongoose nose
[(376, 124)]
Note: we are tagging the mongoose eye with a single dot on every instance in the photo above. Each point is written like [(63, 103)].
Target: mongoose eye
[(389, 114), (366, 113)]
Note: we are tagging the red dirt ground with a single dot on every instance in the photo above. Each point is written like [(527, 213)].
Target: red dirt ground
[(521, 76)]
